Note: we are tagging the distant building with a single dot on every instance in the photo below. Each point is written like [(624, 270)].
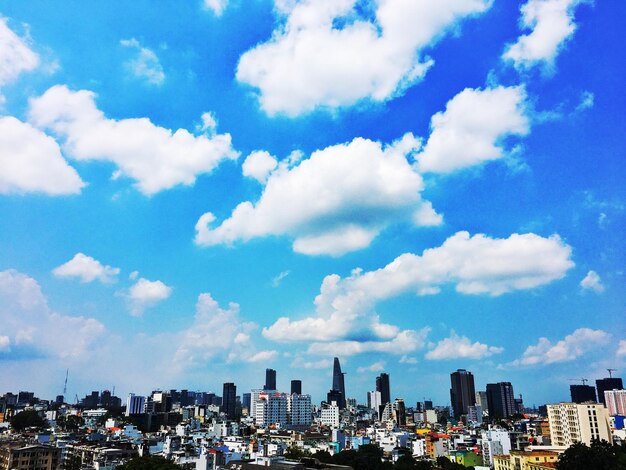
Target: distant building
[(573, 422), (246, 401), (270, 379), (339, 383), (15, 455), (374, 401), (462, 392), (296, 387), (495, 442), (382, 386), (501, 400), (300, 415), (135, 404), (481, 400), (270, 408), (329, 415), (609, 383), (615, 402), (229, 400), (582, 393), (399, 412)]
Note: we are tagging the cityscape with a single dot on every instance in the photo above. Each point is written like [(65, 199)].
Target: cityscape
[(312, 234)]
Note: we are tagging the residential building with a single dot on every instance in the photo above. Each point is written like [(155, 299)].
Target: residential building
[(524, 460), (270, 409), (462, 392), (329, 415), (609, 383), (374, 401), (495, 441), (615, 402), (300, 411), (574, 422), (18, 455)]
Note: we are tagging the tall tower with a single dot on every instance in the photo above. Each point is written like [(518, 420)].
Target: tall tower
[(609, 383), (382, 386), (296, 387), (338, 382), (501, 400), (229, 399), (462, 393), (270, 379)]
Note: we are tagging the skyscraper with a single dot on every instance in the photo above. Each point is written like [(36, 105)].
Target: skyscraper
[(612, 383), (501, 400), (382, 386), (338, 383), (296, 387), (270, 379), (582, 393), (229, 399), (462, 392)]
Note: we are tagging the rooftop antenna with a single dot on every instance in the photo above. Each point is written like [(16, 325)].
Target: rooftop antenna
[(610, 372)]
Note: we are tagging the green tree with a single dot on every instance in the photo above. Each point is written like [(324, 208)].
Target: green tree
[(600, 456), (151, 462), (323, 456), (405, 462), (27, 419), (423, 465)]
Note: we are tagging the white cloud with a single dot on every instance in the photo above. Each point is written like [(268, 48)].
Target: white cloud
[(587, 100), (300, 363), (33, 329), (406, 341), (592, 282), (474, 264), (570, 348), (145, 294), (278, 279), (375, 367), (218, 332), (5, 343), (336, 201), (329, 54), (155, 157), (259, 165), (621, 348), (209, 123), (461, 347), (217, 6), (551, 23), (31, 161), (87, 269), (473, 127), (15, 55), (145, 65), (408, 360)]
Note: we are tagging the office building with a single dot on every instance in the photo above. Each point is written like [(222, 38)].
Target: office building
[(615, 402), (246, 401), (270, 408), (270, 380), (609, 383), (329, 415), (339, 384), (382, 386), (229, 400), (296, 387), (374, 401), (481, 400), (135, 404), (399, 412), (462, 392), (574, 422), (300, 411), (500, 400), (582, 393)]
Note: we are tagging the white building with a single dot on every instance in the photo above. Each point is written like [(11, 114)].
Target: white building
[(495, 442), (134, 404), (270, 408), (374, 400), (329, 415), (300, 410), (573, 422), (615, 402)]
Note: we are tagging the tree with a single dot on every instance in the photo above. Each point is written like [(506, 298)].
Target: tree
[(323, 456), (600, 456), (27, 419), (295, 453), (151, 462), (423, 465), (405, 462)]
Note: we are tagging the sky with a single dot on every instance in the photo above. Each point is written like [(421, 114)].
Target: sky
[(192, 192)]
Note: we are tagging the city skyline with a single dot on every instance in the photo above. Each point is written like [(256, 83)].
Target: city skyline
[(195, 193)]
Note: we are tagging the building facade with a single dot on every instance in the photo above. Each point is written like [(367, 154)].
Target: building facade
[(573, 422), (462, 392)]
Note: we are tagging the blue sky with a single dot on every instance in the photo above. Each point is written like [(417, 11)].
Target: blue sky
[(191, 193)]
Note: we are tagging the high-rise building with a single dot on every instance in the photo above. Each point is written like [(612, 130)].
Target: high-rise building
[(246, 401), (338, 383), (270, 379), (374, 401), (229, 400), (300, 416), (270, 408), (501, 400), (334, 396), (134, 404), (462, 392), (329, 415), (399, 411), (573, 422), (609, 383), (615, 402), (582, 393), (382, 385), (296, 387), (481, 400)]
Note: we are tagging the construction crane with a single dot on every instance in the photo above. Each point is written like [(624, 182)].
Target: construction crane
[(584, 381), (610, 372)]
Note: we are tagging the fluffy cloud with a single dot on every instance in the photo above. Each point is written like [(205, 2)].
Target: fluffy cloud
[(217, 6), (329, 53), (87, 269), (145, 65), (592, 282), (259, 165), (336, 201), (621, 348), (375, 367), (300, 363), (570, 348), (473, 127), (145, 294), (32, 329), (155, 157), (15, 55), (218, 332), (474, 264), (551, 23), (404, 342), (30, 161), (5, 343), (461, 347)]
